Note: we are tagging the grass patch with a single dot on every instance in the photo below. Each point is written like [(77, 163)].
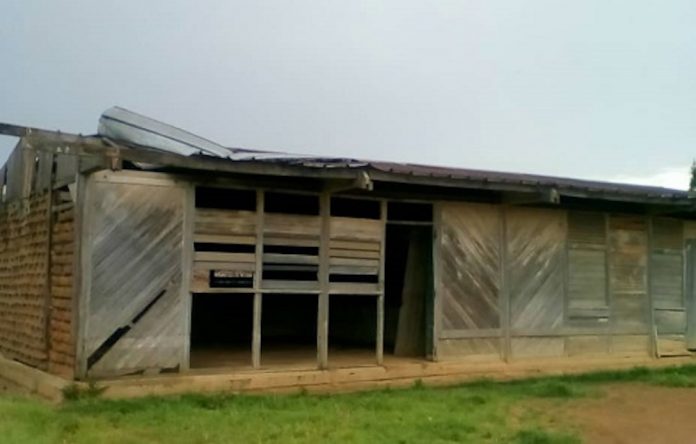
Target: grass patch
[(479, 412), (538, 436)]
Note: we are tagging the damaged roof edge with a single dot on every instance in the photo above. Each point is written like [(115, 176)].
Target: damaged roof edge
[(142, 138)]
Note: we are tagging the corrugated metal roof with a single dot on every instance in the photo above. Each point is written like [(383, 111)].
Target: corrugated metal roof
[(126, 126)]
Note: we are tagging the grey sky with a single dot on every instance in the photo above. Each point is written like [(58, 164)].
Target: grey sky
[(593, 88)]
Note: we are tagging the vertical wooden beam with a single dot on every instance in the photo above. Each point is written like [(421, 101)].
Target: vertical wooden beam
[(607, 274), (258, 296), (82, 270), (505, 315), (186, 267), (654, 350), (380, 298), (566, 277), (323, 305), (437, 276), (28, 160)]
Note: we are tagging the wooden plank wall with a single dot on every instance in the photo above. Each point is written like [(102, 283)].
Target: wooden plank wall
[(667, 285), (354, 249), (571, 283), (690, 282), (292, 246), (587, 307), (134, 310), (535, 241), (628, 284), (470, 280)]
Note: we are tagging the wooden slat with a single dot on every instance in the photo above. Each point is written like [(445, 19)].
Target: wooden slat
[(290, 259), (224, 239), (286, 241), (353, 270), (354, 262), (270, 284), (354, 288), (232, 266), (362, 230), (291, 225), (225, 222), (211, 256), (361, 254), (355, 245)]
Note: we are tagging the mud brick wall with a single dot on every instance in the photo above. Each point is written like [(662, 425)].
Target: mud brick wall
[(62, 343), (23, 266)]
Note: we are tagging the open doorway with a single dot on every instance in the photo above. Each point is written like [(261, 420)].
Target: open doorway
[(408, 288), (221, 328), (352, 330), (289, 331)]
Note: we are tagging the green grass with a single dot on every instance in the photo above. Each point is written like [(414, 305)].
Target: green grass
[(478, 412)]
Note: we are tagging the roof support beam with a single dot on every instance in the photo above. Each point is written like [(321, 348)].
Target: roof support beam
[(549, 196)]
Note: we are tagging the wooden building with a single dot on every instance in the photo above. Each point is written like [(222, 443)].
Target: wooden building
[(145, 249)]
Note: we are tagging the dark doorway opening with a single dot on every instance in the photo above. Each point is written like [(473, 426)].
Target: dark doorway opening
[(408, 291), (289, 331), (221, 328), (352, 330)]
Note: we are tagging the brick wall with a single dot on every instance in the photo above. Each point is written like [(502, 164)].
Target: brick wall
[(26, 308), (61, 340), (23, 266)]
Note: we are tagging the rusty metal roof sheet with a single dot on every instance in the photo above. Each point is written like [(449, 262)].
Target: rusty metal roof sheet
[(129, 127)]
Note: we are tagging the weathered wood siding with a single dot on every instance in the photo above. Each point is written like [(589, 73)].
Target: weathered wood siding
[(569, 283), (535, 265), (469, 284), (587, 309), (667, 285), (628, 261), (135, 312)]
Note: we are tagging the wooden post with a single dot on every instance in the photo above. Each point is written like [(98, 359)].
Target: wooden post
[(323, 305), (258, 296), (654, 344), (380, 298), (505, 289), (609, 290), (186, 268), (82, 271)]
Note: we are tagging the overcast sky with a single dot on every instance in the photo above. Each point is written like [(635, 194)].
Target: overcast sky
[(595, 88)]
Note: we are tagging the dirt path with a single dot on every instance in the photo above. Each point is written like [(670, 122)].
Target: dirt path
[(634, 414)]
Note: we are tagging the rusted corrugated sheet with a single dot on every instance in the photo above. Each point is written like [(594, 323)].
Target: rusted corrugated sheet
[(141, 131)]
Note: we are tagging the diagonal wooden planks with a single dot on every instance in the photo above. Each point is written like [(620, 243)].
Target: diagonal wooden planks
[(136, 259)]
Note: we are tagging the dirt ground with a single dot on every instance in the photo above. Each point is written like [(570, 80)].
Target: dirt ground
[(632, 414)]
